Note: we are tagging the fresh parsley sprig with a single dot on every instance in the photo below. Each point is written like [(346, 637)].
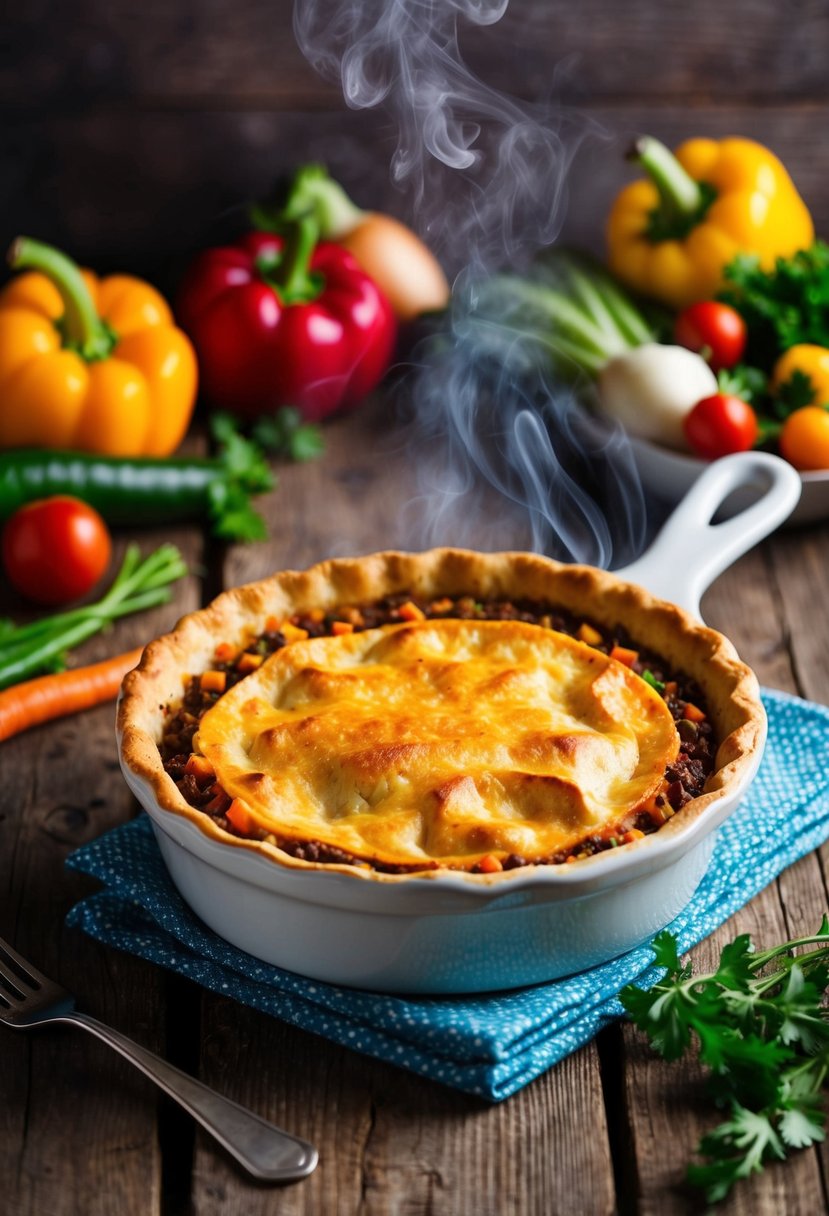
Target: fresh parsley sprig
[(286, 434), (782, 306), (762, 1029)]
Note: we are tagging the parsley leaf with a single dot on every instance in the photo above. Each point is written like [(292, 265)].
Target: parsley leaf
[(737, 1148), (285, 434), (748, 383), (762, 1029), (783, 306), (794, 393)]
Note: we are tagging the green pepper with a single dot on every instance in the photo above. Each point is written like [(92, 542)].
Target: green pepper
[(147, 490)]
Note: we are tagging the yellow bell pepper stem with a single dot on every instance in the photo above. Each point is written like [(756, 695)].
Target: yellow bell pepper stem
[(682, 201), (81, 329)]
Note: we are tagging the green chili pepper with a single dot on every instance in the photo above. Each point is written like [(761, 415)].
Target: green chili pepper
[(147, 490)]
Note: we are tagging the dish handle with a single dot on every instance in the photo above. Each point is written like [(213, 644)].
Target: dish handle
[(690, 551)]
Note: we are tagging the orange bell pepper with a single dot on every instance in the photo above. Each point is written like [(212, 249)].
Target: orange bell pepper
[(90, 364)]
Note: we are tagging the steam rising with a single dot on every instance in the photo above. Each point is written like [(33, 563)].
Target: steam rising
[(485, 175)]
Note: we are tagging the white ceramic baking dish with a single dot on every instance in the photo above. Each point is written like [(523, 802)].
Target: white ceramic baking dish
[(668, 475), (448, 932)]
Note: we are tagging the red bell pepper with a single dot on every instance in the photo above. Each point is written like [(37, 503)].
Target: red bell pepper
[(285, 321)]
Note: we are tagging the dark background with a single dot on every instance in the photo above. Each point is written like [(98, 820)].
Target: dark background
[(133, 133)]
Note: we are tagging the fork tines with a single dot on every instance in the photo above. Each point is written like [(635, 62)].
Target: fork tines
[(18, 977)]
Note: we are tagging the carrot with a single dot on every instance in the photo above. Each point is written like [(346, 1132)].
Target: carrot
[(240, 817), (66, 692), (623, 654), (588, 634), (411, 612), (213, 681), (490, 864)]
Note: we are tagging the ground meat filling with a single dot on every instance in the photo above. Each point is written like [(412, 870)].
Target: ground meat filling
[(685, 778)]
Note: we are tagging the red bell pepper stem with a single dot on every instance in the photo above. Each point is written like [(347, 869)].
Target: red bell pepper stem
[(80, 326), (289, 273), (313, 189)]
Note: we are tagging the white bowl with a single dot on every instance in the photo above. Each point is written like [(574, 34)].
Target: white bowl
[(451, 932), (669, 475)]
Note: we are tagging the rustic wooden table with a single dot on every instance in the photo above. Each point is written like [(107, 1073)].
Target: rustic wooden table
[(607, 1130), (130, 131)]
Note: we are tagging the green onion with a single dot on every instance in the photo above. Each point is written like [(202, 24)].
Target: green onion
[(28, 650)]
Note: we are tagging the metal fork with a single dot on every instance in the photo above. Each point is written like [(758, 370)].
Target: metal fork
[(28, 998)]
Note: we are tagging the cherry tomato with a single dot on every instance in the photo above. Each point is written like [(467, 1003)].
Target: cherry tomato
[(804, 439), (55, 550), (720, 424), (714, 330)]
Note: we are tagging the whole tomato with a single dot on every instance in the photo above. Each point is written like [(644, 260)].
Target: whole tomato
[(714, 330), (55, 549), (804, 439), (719, 425)]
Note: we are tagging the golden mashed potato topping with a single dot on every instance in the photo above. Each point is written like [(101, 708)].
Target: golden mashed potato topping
[(440, 741)]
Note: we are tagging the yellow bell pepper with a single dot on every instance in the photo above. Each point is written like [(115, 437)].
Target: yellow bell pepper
[(811, 361), (671, 234), (88, 364)]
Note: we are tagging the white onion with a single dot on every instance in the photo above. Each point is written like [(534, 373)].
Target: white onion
[(651, 389)]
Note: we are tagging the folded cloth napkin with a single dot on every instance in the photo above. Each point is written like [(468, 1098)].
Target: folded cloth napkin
[(489, 1045)]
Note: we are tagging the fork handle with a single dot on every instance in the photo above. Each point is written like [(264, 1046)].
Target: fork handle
[(265, 1151)]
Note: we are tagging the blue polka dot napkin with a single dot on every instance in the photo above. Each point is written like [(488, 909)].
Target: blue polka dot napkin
[(489, 1045)]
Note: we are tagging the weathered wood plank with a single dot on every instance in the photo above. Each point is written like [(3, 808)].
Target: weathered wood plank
[(392, 1142), (168, 183), (195, 52), (667, 1106), (61, 788)]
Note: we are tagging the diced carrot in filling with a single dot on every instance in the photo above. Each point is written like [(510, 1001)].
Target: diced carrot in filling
[(586, 633), (239, 815), (272, 625), (411, 612), (693, 713), (444, 605), (338, 628), (249, 662), (490, 864), (292, 633), (200, 768), (623, 655), (633, 834), (225, 652), (213, 681)]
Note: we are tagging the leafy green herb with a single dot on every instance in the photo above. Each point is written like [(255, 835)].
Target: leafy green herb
[(41, 646), (246, 472), (285, 434), (783, 306), (748, 383), (763, 1031), (794, 393)]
